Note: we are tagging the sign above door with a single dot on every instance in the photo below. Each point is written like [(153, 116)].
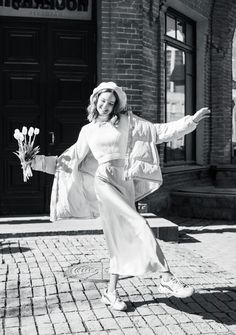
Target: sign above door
[(55, 9)]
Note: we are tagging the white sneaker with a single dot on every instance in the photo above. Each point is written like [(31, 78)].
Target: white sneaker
[(176, 288), (112, 299)]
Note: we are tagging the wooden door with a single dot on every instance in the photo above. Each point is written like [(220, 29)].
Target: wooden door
[(46, 76)]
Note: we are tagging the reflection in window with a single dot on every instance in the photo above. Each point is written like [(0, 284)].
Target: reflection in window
[(180, 31), (175, 98), (175, 28), (170, 26)]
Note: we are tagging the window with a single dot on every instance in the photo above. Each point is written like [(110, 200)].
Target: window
[(179, 83)]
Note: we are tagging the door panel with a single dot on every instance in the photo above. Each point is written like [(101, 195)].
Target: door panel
[(46, 75), (21, 104), (21, 44), (71, 66), (21, 89)]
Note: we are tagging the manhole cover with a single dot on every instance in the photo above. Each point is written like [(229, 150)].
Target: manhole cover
[(95, 271)]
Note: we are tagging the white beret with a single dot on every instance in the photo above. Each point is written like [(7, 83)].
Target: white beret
[(112, 86)]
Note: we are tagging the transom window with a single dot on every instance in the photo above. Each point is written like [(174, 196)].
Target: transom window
[(179, 83)]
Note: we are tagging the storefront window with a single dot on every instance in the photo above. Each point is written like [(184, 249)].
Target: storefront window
[(180, 83)]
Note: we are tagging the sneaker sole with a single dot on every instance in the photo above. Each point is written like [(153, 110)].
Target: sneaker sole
[(107, 302)]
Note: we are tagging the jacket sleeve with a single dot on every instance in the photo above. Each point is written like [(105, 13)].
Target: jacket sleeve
[(49, 164), (166, 132), (82, 147), (44, 164)]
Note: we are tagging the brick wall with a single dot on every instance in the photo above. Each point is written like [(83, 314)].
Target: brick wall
[(223, 26), (129, 51), (132, 55), (150, 71), (121, 47), (206, 8), (159, 202), (201, 6)]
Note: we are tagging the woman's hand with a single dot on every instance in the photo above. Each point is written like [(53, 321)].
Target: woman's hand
[(201, 114)]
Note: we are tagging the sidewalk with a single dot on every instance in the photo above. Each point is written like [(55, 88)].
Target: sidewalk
[(41, 226), (48, 286)]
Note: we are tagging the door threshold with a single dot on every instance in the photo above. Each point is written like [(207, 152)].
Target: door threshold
[(24, 218)]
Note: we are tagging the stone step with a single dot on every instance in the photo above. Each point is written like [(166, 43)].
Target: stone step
[(162, 229), (206, 202), (224, 176)]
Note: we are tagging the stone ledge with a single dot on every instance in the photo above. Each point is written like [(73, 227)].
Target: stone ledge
[(207, 202), (163, 229), (36, 226)]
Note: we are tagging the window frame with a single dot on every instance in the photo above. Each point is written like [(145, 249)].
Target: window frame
[(190, 51)]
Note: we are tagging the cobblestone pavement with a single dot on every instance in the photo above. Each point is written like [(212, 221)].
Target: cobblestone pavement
[(38, 296), (214, 240)]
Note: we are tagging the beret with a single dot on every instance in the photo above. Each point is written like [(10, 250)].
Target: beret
[(112, 86)]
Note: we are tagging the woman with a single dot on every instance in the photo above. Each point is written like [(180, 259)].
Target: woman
[(125, 169)]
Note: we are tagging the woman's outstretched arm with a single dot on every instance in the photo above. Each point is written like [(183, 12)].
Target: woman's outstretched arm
[(44, 163), (49, 164), (176, 129)]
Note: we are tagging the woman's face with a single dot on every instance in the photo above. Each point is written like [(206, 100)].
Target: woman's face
[(106, 103)]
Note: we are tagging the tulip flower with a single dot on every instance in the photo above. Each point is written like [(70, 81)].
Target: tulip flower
[(26, 152), (21, 137), (16, 136), (24, 130), (30, 134), (36, 131), (31, 131)]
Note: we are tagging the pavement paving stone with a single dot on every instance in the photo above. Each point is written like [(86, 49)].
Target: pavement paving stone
[(76, 327), (175, 330), (152, 320), (93, 325), (29, 330), (12, 331), (190, 328), (38, 297), (146, 331), (162, 330), (131, 331), (109, 324), (124, 322), (232, 328)]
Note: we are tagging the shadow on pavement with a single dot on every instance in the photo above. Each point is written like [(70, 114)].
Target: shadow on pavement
[(8, 243), (207, 230), (185, 238), (7, 248), (189, 222), (219, 305)]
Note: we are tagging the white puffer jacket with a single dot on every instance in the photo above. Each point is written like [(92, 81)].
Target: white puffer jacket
[(73, 192)]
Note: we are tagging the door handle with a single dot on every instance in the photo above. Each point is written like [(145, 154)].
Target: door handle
[(51, 133)]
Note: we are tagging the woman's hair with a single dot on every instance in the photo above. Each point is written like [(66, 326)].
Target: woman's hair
[(114, 117)]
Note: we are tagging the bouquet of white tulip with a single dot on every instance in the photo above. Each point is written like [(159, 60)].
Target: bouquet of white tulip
[(26, 151)]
